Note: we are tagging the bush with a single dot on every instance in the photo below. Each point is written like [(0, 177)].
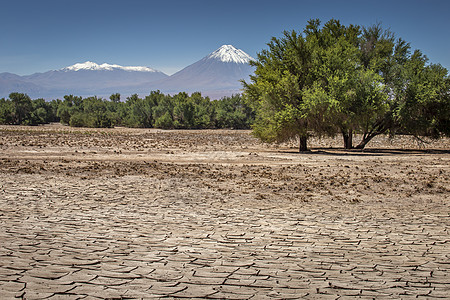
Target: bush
[(77, 120), (164, 122)]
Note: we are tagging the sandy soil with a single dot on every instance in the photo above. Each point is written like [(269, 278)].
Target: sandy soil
[(144, 213)]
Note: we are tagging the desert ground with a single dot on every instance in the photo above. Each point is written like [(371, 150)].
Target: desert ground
[(145, 213)]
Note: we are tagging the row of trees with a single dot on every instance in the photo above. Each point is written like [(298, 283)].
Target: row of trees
[(155, 110), (340, 79), (19, 109)]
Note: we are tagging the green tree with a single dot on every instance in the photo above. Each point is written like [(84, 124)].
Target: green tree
[(345, 79), (380, 57), (149, 102), (115, 97), (78, 119), (301, 80), (415, 92), (53, 112), (69, 106), (232, 112), (203, 111), (6, 111), (21, 108), (139, 112), (421, 106), (162, 112), (39, 113), (337, 76), (165, 121), (96, 114), (183, 111)]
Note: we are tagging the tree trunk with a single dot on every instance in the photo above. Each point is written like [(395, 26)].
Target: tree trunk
[(379, 127), (348, 138), (303, 143), (364, 141)]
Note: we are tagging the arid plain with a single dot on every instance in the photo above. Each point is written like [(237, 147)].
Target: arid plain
[(144, 213)]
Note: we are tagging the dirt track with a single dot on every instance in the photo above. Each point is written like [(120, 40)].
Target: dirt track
[(134, 213)]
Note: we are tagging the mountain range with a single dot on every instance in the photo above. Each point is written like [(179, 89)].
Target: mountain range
[(216, 75)]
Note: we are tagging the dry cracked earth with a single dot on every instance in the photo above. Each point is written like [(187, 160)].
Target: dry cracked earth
[(143, 213)]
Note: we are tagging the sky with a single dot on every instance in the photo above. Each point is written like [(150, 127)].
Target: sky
[(168, 35)]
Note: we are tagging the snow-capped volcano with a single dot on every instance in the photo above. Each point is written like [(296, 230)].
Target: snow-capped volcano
[(92, 66), (227, 53), (216, 74)]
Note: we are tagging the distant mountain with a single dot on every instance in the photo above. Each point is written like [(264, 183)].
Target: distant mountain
[(15, 83), (217, 74), (84, 79)]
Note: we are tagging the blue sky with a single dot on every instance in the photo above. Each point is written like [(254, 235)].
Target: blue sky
[(168, 35)]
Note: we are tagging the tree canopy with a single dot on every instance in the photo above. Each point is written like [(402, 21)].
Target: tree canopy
[(345, 79)]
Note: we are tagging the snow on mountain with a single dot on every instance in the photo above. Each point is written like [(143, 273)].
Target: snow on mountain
[(228, 53), (88, 65)]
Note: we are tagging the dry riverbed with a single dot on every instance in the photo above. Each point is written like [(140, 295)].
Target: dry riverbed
[(145, 213)]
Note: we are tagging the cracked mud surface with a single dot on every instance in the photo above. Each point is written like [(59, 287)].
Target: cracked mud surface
[(141, 213)]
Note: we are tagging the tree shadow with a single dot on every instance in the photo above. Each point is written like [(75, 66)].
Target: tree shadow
[(367, 152)]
